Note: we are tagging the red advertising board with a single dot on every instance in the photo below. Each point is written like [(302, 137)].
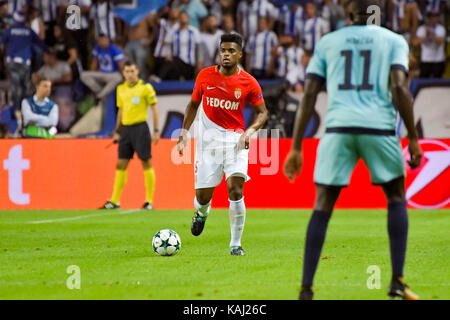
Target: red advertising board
[(78, 174)]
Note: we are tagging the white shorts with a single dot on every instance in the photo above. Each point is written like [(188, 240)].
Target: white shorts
[(211, 164)]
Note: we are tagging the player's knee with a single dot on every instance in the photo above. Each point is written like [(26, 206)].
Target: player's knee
[(326, 198), (396, 197), (121, 165), (235, 192), (395, 190), (202, 198), (323, 205), (146, 164)]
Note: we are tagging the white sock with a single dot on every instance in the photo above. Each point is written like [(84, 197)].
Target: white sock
[(203, 210), (237, 221)]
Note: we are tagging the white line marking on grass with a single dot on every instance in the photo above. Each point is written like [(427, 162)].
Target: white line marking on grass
[(83, 217)]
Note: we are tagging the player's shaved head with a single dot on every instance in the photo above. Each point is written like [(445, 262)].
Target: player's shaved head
[(361, 12)]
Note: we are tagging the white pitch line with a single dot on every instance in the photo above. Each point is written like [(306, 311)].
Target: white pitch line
[(82, 217)]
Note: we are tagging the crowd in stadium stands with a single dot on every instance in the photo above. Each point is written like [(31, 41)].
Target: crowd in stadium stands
[(180, 39)]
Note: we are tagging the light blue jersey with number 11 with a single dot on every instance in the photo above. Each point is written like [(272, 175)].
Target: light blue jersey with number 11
[(355, 61)]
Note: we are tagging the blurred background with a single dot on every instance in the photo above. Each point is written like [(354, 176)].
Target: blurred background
[(172, 40)]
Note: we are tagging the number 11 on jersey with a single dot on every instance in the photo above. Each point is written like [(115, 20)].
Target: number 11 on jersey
[(347, 85)]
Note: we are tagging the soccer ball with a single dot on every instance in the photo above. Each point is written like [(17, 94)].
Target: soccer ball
[(166, 242)]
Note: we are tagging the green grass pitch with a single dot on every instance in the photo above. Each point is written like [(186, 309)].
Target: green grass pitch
[(114, 253)]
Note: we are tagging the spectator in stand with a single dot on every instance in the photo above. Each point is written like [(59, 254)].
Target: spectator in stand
[(313, 29), (300, 73), (211, 41), (140, 37), (228, 23), (333, 14), (194, 8), (103, 19), (291, 18), (40, 114), (66, 50), (259, 50), (18, 5), (48, 12), (37, 25), (6, 19), (106, 69), (162, 49), (431, 38), (404, 17), (5, 22), (248, 13), (286, 57), (58, 72), (434, 5), (185, 59), (219, 8), (347, 5), (19, 40), (82, 34)]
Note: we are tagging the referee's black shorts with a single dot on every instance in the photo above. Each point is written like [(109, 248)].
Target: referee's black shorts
[(135, 138)]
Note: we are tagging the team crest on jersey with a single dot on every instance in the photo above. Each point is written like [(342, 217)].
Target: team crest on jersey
[(135, 100), (237, 93)]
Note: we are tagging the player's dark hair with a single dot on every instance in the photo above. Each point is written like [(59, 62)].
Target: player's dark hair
[(359, 13), (129, 63), (232, 37)]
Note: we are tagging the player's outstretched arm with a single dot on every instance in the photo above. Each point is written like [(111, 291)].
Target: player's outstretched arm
[(189, 117), (403, 102), (293, 163), (261, 116)]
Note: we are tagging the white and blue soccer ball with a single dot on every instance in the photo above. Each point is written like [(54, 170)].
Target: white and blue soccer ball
[(166, 242)]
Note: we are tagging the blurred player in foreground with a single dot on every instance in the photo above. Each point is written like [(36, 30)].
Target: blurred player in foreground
[(366, 71), (133, 134), (223, 142)]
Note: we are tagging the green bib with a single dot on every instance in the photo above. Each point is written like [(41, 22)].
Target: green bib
[(36, 132)]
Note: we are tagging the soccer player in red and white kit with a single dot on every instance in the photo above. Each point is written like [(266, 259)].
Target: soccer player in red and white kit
[(222, 140)]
